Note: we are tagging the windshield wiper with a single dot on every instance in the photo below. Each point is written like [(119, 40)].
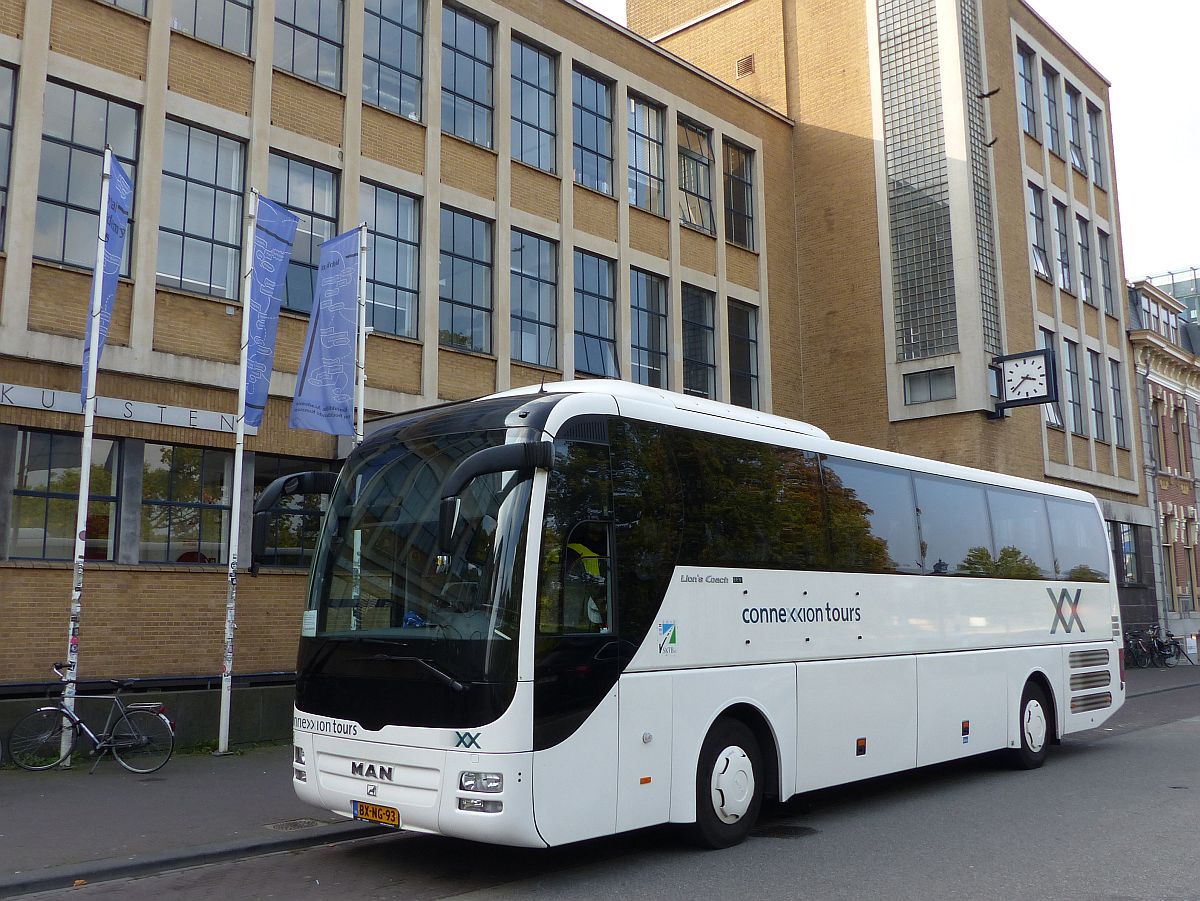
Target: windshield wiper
[(443, 677)]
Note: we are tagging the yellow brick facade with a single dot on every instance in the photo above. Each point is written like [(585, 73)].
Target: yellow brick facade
[(393, 140), (191, 71), (101, 35)]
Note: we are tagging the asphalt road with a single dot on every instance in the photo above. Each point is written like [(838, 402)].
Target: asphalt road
[(1115, 814)]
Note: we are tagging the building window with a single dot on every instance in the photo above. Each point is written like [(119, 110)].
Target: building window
[(1156, 437), (739, 195), (465, 282), (186, 498), (648, 338), (1095, 130), (1075, 130), (593, 147), (310, 192), (1052, 412), (595, 316), (1050, 96), (46, 497), (393, 258), (1085, 260), (296, 521), (225, 23), (699, 342), (1063, 241), (76, 128), (534, 106), (1026, 90), (308, 40), (1095, 381), (393, 49), (1180, 427), (1074, 390), (1037, 219), (1168, 550), (930, 385), (743, 355), (533, 277), (1125, 550), (1118, 403), (8, 96), (1106, 284), (695, 176), (467, 102), (200, 219), (137, 7), (646, 163)]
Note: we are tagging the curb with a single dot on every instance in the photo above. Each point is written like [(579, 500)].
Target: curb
[(64, 876), (1158, 691)]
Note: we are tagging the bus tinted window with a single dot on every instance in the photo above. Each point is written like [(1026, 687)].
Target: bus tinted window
[(749, 504), (872, 522), (1022, 535), (956, 539), (1080, 548)]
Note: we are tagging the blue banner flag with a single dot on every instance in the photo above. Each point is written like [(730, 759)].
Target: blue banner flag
[(120, 202), (274, 231), (325, 384)]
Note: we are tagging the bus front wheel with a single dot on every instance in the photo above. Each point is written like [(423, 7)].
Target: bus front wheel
[(1036, 728), (729, 785)]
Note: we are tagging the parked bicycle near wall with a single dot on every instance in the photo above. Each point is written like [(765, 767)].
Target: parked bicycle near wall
[(1138, 649), (139, 736), (1170, 650)]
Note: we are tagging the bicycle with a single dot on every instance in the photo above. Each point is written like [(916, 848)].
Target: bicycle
[(1170, 650), (1137, 650), (139, 736)]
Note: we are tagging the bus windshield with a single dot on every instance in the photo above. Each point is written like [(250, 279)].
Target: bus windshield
[(377, 577)]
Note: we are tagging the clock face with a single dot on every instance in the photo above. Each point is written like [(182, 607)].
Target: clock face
[(1025, 378)]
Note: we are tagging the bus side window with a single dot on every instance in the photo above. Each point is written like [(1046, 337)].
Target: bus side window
[(586, 593)]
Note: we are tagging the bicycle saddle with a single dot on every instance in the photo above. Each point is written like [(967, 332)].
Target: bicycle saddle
[(116, 683)]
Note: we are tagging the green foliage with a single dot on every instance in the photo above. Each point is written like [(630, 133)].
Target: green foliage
[(1010, 564)]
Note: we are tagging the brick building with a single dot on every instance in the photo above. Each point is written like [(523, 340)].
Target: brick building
[(547, 196), (1166, 348), (955, 200)]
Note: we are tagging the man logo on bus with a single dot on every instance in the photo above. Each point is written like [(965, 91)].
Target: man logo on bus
[(1064, 600), (667, 633)]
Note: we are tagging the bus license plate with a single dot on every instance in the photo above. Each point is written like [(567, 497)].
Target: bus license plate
[(377, 813)]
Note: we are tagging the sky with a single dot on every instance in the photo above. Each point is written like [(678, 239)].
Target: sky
[(1148, 52)]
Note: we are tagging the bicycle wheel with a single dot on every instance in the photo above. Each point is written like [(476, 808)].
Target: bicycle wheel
[(1139, 657), (36, 742), (143, 741), (1171, 654)]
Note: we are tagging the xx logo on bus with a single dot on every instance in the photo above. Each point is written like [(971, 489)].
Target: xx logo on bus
[(1064, 600), (467, 739)]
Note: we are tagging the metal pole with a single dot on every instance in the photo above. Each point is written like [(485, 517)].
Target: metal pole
[(85, 456), (361, 357), (235, 513)]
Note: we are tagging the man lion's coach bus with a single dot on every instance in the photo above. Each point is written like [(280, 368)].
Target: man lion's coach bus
[(568, 611)]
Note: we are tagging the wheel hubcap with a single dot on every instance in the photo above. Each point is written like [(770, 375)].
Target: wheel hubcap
[(1035, 726), (732, 784)]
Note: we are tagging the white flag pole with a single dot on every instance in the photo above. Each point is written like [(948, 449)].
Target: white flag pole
[(235, 513), (361, 357), (85, 457)]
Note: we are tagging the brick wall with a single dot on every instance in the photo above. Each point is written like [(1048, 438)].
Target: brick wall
[(191, 71), (306, 108), (697, 251), (536, 192), (393, 140), (393, 363), (649, 233), (531, 375), (12, 17), (468, 167), (146, 621), (741, 266), (201, 327), (652, 17), (60, 298), (595, 213), (462, 376), (100, 34)]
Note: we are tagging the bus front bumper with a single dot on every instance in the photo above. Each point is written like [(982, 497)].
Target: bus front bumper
[(471, 795)]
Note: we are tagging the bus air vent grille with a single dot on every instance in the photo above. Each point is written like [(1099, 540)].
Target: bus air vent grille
[(1080, 681), (1084, 703), (585, 428), (1081, 659)]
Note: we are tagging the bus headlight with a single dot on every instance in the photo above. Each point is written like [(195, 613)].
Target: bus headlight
[(481, 782), (480, 805), (298, 755)]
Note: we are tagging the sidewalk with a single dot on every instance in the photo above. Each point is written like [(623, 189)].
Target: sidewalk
[(63, 825), (1152, 680)]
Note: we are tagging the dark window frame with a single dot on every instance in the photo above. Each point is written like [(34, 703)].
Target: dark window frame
[(1118, 402), (647, 190), (7, 124), (310, 219), (408, 246), (743, 346), (1074, 387), (479, 126), (1062, 237), (192, 23), (649, 328), (739, 183), (171, 504), (533, 312), (542, 122), (1026, 95), (1075, 129), (596, 315), (402, 42), (1096, 384), (479, 255), (1094, 115), (1037, 213), (1050, 96), (593, 165), (699, 335), (1084, 241), (328, 73), (695, 176)]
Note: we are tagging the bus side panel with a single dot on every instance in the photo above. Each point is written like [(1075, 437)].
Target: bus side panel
[(644, 768), (700, 696), (1091, 686), (963, 705), (1022, 663), (843, 702), (575, 782)]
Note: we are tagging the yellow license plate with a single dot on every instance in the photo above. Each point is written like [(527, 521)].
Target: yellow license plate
[(377, 813)]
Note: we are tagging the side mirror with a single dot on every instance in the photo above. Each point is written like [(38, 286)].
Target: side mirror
[(296, 483)]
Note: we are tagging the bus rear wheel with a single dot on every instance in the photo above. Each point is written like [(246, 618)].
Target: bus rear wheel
[(1036, 728), (729, 785)]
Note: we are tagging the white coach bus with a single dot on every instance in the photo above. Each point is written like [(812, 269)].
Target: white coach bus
[(564, 612)]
